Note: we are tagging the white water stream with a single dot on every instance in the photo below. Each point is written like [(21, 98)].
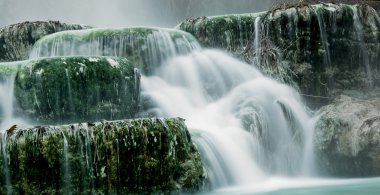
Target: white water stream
[(250, 130), (246, 126), (7, 105)]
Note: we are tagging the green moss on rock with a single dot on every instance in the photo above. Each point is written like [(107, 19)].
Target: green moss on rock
[(343, 51), (10, 68), (77, 89), (16, 40), (146, 47), (230, 32), (118, 157)]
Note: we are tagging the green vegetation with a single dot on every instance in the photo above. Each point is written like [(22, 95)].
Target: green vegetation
[(129, 156), (324, 48), (77, 89)]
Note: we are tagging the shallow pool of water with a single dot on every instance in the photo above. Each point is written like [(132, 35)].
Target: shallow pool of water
[(274, 186)]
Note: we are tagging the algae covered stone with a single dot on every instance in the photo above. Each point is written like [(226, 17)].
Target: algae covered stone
[(77, 89), (230, 32), (327, 48), (116, 157), (16, 40), (8, 69), (146, 47)]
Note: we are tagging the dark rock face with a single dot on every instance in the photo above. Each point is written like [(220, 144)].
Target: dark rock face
[(347, 137), (77, 89), (119, 157), (326, 48), (16, 40), (230, 32)]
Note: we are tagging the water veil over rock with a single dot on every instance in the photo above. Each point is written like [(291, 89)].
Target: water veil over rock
[(147, 48), (326, 49), (128, 156), (77, 89), (8, 104), (93, 82), (209, 120)]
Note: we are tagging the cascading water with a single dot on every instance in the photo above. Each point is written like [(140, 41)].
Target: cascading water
[(7, 105), (324, 38), (7, 123), (5, 161), (246, 126), (257, 39), (147, 46), (66, 167), (364, 51), (6, 100)]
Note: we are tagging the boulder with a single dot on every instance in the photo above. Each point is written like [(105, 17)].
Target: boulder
[(347, 137), (110, 157), (146, 47), (17, 40), (77, 89)]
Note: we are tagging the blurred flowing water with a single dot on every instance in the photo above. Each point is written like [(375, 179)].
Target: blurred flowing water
[(254, 133), (7, 105), (246, 126)]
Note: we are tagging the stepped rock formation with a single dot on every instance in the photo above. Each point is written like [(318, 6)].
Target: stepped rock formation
[(347, 137), (145, 47), (326, 48), (77, 89), (118, 157), (17, 40)]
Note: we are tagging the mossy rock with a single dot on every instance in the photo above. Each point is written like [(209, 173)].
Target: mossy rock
[(77, 89), (146, 47), (16, 40), (116, 157), (230, 32), (10, 68), (341, 43)]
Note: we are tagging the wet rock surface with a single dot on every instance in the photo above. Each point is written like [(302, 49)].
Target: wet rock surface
[(109, 157), (77, 89), (16, 40), (326, 48), (147, 48), (117, 157), (347, 137)]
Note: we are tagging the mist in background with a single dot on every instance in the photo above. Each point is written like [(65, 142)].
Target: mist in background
[(122, 13)]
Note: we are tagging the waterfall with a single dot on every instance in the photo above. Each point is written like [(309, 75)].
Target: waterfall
[(324, 38), (246, 126), (5, 161), (6, 100), (364, 51), (249, 127), (257, 39), (66, 181), (7, 105), (148, 47)]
